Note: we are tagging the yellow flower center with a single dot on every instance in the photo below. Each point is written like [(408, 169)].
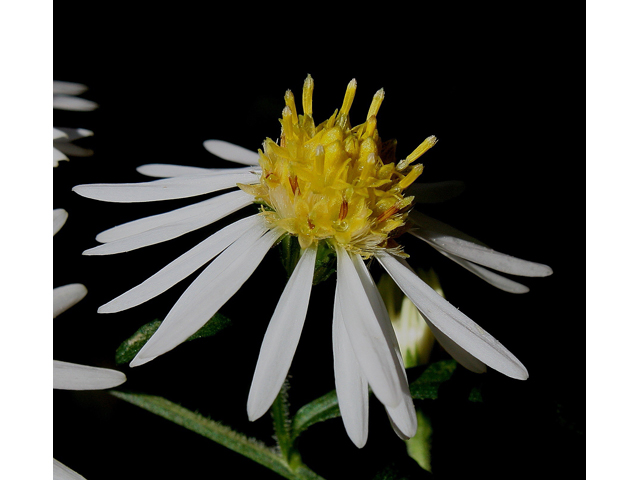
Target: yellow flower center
[(335, 182)]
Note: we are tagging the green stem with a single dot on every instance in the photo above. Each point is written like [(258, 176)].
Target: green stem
[(250, 448)]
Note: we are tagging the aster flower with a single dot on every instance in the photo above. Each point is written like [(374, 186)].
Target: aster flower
[(64, 98), (330, 187)]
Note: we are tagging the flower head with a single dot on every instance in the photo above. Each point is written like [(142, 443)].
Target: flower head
[(334, 181), (330, 184)]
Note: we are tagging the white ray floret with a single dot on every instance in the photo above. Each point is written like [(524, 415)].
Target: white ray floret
[(182, 266), (452, 322), (403, 415), (60, 216), (210, 291), (67, 296), (165, 170), (69, 102), (372, 346), (231, 152), (165, 189), (282, 337), (167, 226), (71, 376), (62, 472), (447, 239), (352, 388)]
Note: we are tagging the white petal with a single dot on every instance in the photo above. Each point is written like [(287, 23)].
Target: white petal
[(498, 281), (352, 388), (403, 416), (58, 156), (71, 376), (435, 192), (62, 472), (145, 224), (231, 152), (68, 88), (164, 170), (165, 189), (210, 291), (67, 296), (458, 353), (182, 266), (60, 216), (71, 134), (444, 237), (167, 226), (71, 149), (66, 102), (58, 133), (282, 337), (371, 346), (452, 322)]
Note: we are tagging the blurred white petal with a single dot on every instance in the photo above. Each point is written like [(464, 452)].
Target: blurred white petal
[(67, 102), (352, 388), (182, 266), (170, 225), (165, 189), (164, 170), (68, 88), (71, 376), (282, 336), (231, 152), (62, 472), (58, 156), (72, 150), (60, 216), (452, 322), (58, 133), (67, 296), (71, 134), (211, 290)]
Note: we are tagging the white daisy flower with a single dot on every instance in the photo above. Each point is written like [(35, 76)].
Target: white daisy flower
[(328, 184), (64, 98)]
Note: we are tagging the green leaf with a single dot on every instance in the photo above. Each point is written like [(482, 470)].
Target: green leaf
[(130, 347), (219, 433), (319, 410), (426, 386)]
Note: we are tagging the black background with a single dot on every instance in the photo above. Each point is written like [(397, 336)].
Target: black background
[(500, 88)]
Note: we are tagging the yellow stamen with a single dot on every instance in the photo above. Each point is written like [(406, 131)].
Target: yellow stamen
[(375, 104), (418, 152), (290, 102), (307, 94)]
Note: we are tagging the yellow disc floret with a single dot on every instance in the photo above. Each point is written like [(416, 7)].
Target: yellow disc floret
[(332, 181)]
